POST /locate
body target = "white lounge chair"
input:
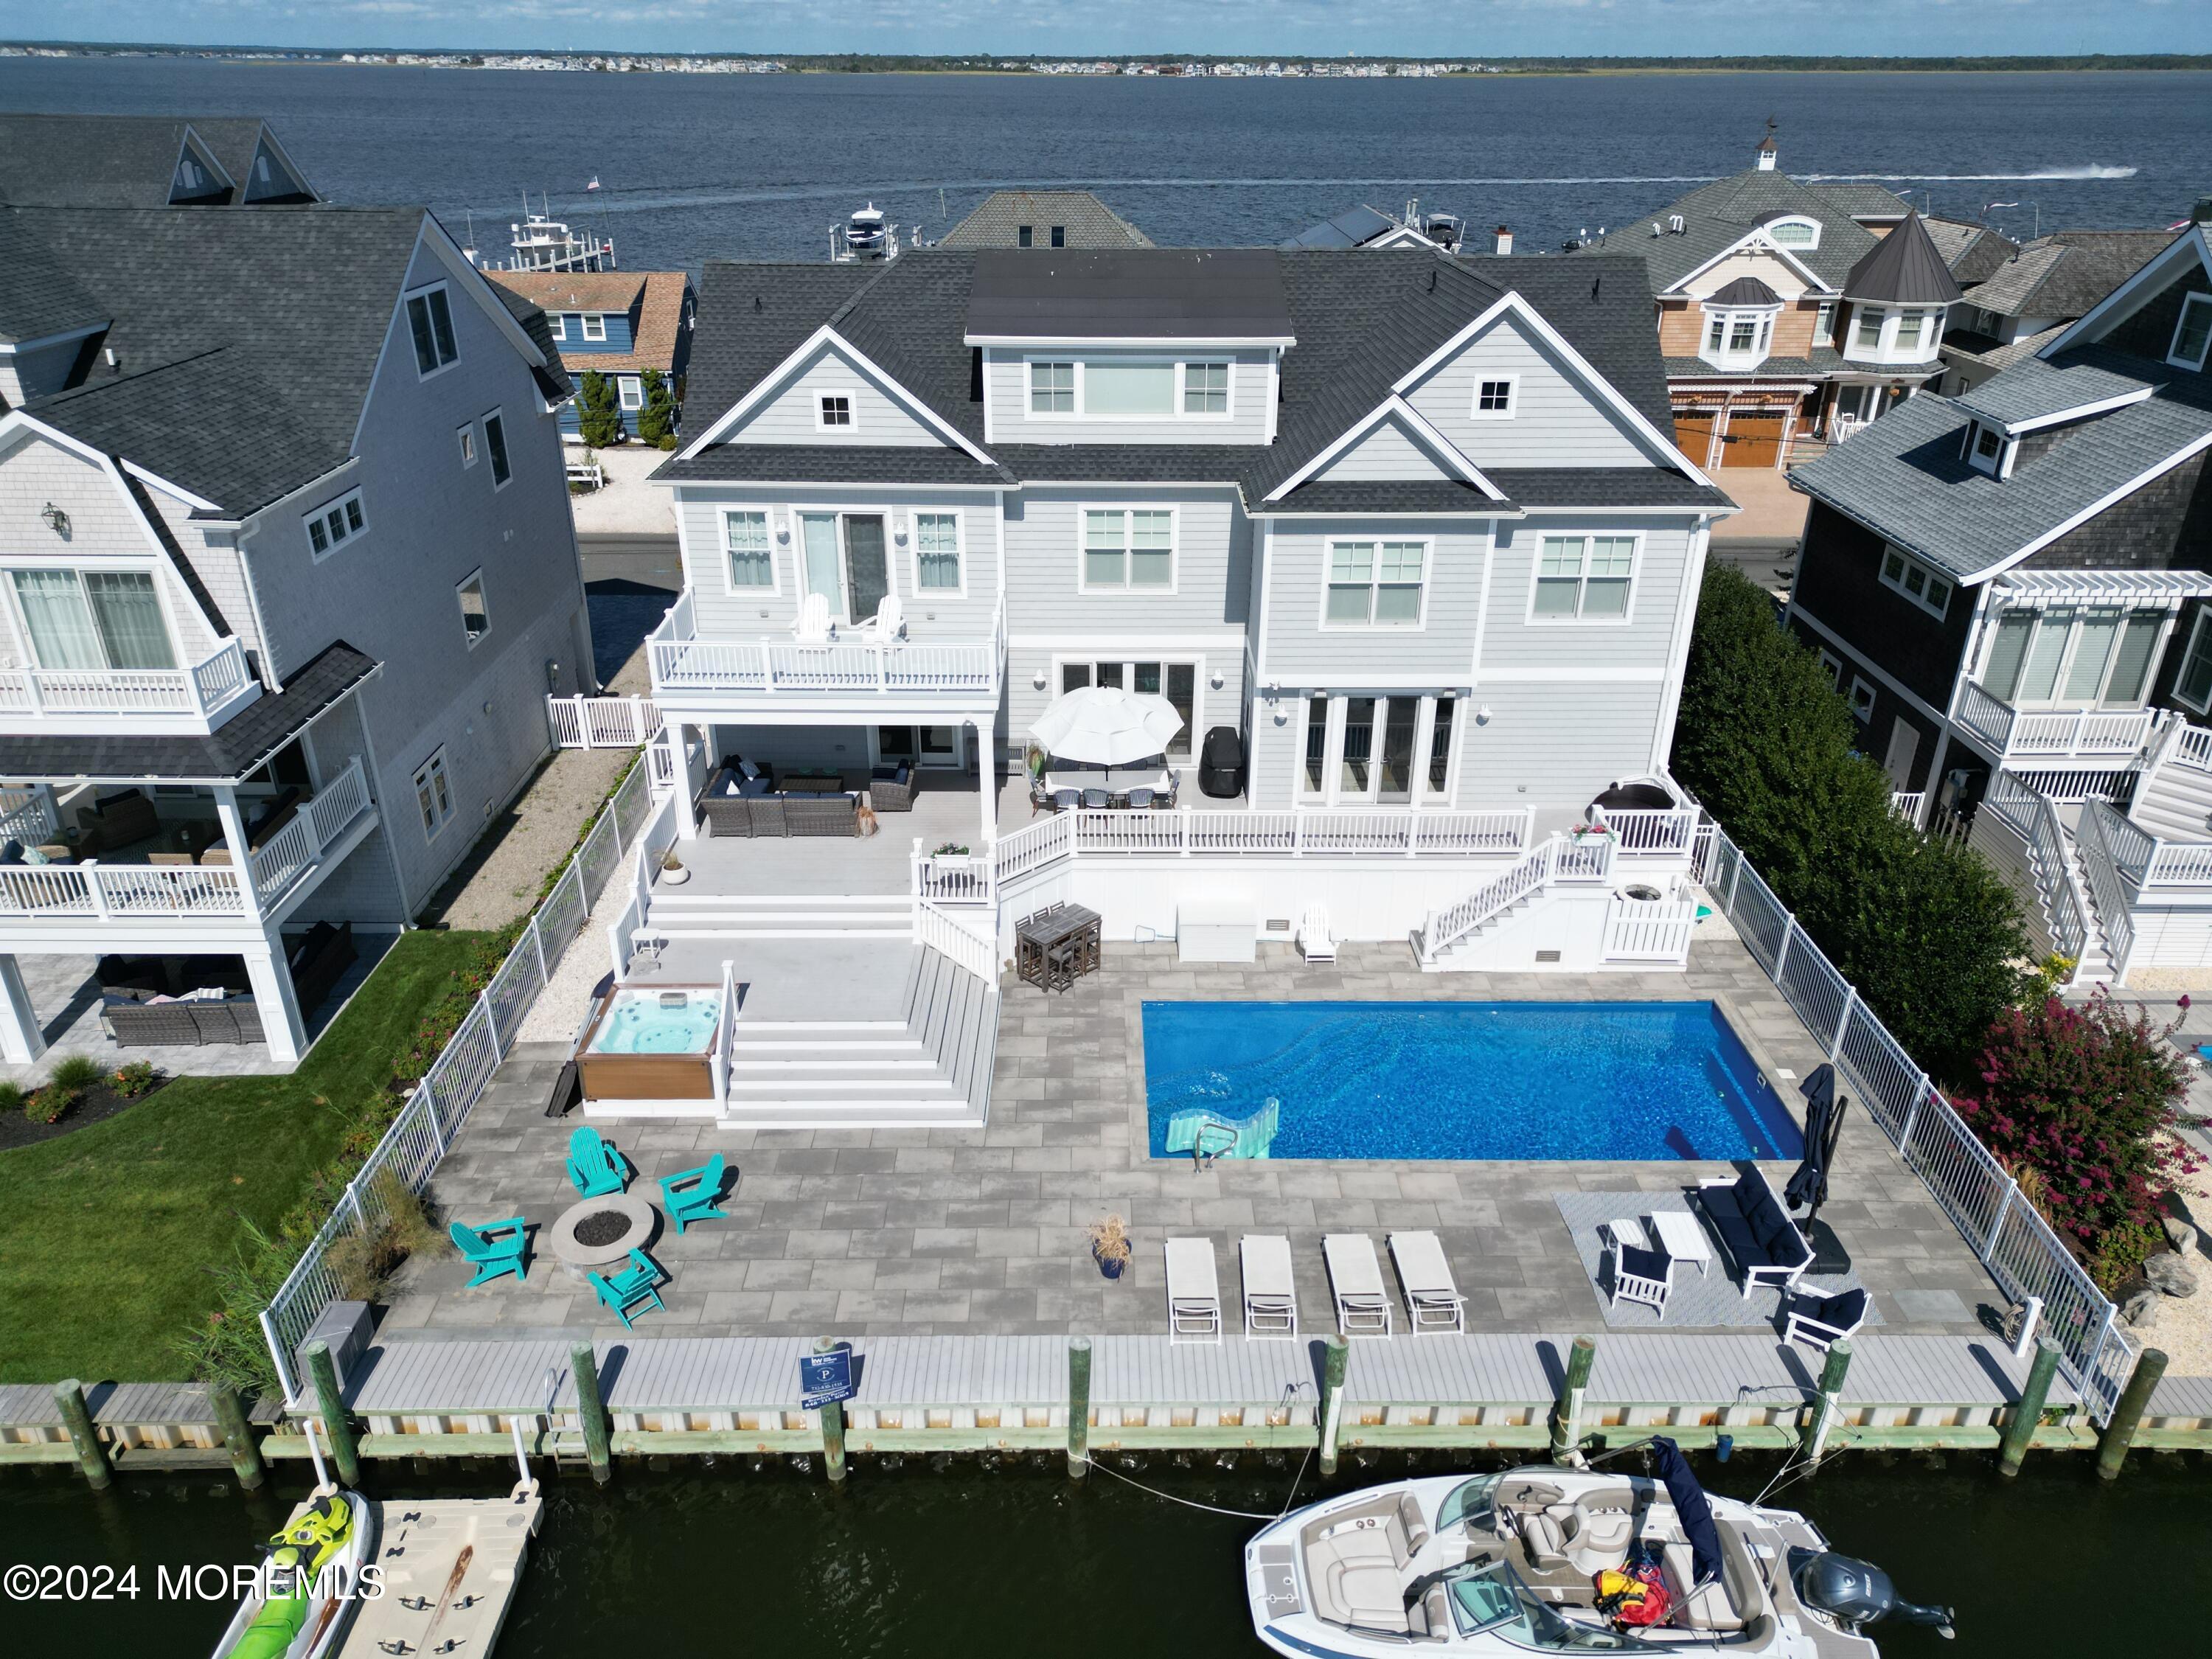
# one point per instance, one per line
(889, 622)
(1194, 1293)
(1433, 1301)
(1271, 1299)
(1314, 941)
(1355, 1278)
(813, 625)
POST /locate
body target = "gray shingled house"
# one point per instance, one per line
(2009, 586)
(286, 574)
(1044, 218)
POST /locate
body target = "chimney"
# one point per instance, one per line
(1766, 153)
(1501, 240)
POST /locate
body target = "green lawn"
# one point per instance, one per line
(109, 1237)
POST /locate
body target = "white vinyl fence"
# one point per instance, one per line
(2013, 1241)
(602, 722)
(419, 1137)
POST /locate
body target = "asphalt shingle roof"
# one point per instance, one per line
(37, 294)
(1971, 253)
(1716, 216)
(1128, 293)
(112, 160)
(2066, 274)
(1904, 477)
(656, 296)
(832, 463)
(2035, 389)
(235, 748)
(1088, 222)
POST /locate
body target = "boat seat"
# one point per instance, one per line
(1600, 1539)
(1546, 1534)
(1430, 1619)
(1709, 1607)
(1356, 1564)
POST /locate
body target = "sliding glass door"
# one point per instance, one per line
(1394, 751)
(94, 619)
(2073, 657)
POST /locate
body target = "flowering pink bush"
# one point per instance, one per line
(2084, 1096)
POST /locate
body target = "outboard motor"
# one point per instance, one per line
(1855, 1593)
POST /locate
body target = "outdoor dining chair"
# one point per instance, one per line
(496, 1248)
(1096, 798)
(1140, 800)
(635, 1289)
(690, 1195)
(1067, 800)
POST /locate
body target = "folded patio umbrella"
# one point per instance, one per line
(1105, 726)
(1824, 1124)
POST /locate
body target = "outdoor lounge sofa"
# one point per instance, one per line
(736, 806)
(1755, 1229)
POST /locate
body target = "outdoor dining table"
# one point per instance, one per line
(1055, 948)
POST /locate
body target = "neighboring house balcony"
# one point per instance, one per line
(194, 699)
(861, 673)
(2047, 737)
(167, 870)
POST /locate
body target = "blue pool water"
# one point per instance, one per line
(639, 1024)
(1469, 1079)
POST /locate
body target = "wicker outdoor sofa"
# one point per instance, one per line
(736, 806)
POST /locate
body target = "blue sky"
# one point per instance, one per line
(1468, 29)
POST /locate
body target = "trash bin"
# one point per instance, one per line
(1221, 764)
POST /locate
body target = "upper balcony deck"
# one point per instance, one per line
(2082, 735)
(192, 700)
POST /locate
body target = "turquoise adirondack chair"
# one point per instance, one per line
(637, 1286)
(595, 1166)
(497, 1248)
(690, 1195)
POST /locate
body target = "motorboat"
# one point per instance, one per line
(310, 1584)
(1561, 1559)
(865, 234)
(1446, 230)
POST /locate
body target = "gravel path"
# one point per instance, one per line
(628, 505)
(499, 881)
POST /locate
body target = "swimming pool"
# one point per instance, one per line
(1536, 1080)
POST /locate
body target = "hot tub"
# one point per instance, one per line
(651, 1042)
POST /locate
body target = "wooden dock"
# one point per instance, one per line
(144, 1425)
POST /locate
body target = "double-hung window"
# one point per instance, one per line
(752, 566)
(94, 619)
(2192, 333)
(334, 522)
(937, 552)
(433, 796)
(1375, 584)
(1128, 548)
(1867, 336)
(629, 390)
(1052, 388)
(1824, 323)
(430, 323)
(1910, 325)
(496, 447)
(558, 323)
(476, 620)
(595, 326)
(1930, 591)
(1583, 578)
(1206, 388)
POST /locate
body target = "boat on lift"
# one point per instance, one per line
(1561, 1559)
(865, 235)
(1446, 230)
(541, 242)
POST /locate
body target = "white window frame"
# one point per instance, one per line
(629, 393)
(1824, 323)
(591, 320)
(1126, 588)
(80, 569)
(1182, 409)
(1862, 701)
(1176, 413)
(1900, 581)
(488, 420)
(2078, 615)
(1420, 794)
(475, 579)
(2173, 350)
(471, 451)
(423, 296)
(1512, 385)
(1583, 579)
(959, 589)
(1728, 355)
(432, 781)
(2196, 637)
(1421, 623)
(1773, 225)
(1833, 666)
(1860, 317)
(822, 421)
(349, 506)
(774, 590)
(557, 322)
(1074, 410)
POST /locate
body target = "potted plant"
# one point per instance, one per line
(672, 873)
(1110, 1245)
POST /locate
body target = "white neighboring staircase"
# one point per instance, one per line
(2174, 799)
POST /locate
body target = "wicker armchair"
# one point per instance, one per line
(890, 788)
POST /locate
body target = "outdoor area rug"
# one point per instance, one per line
(1712, 1298)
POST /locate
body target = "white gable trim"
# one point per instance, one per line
(1513, 305)
(2080, 411)
(827, 334)
(268, 137)
(204, 151)
(1765, 243)
(1401, 236)
(2090, 511)
(1452, 456)
(2123, 301)
(17, 421)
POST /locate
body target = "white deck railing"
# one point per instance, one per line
(27, 816)
(2192, 747)
(2033, 817)
(940, 931)
(853, 664)
(299, 846)
(602, 722)
(2093, 843)
(203, 688)
(2007, 731)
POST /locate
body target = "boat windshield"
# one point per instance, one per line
(1489, 1598)
(1470, 1501)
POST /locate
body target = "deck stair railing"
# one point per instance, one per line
(2033, 816)
(1587, 858)
(2006, 1234)
(417, 1140)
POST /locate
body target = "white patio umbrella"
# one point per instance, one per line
(1105, 726)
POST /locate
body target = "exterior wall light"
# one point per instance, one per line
(56, 520)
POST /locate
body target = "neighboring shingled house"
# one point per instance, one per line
(617, 323)
(146, 161)
(1044, 218)
(2018, 305)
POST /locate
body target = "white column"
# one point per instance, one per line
(987, 780)
(233, 838)
(22, 1040)
(282, 1028)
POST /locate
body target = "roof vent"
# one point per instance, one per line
(1657, 230)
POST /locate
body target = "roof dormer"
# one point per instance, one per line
(2018, 415)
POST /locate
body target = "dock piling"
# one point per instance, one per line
(337, 1427)
(833, 1424)
(237, 1435)
(1336, 1357)
(1567, 1409)
(1833, 1369)
(1078, 1406)
(76, 1418)
(592, 1412)
(2020, 1432)
(2127, 1416)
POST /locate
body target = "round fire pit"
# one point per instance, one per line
(599, 1232)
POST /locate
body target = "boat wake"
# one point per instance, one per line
(2092, 170)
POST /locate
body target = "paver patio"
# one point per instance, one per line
(980, 1232)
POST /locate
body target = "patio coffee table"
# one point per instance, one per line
(1684, 1237)
(628, 1222)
